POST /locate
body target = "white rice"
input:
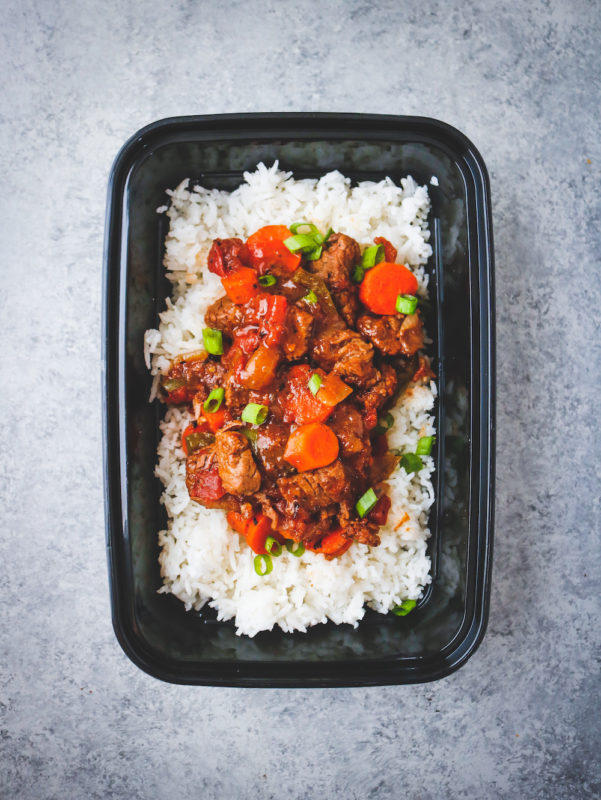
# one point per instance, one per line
(202, 559)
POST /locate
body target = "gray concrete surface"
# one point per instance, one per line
(521, 719)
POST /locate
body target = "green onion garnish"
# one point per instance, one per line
(310, 244)
(327, 235)
(405, 607)
(171, 384)
(295, 551)
(214, 400)
(267, 280)
(411, 463)
(406, 304)
(358, 274)
(250, 434)
(372, 256)
(310, 297)
(213, 341)
(424, 446)
(255, 413)
(314, 383)
(384, 423)
(273, 546)
(366, 502)
(312, 228)
(313, 255)
(302, 241)
(263, 565)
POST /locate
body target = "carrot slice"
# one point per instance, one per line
(382, 285)
(254, 529)
(241, 285)
(332, 545)
(311, 446)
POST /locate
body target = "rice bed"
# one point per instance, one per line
(202, 560)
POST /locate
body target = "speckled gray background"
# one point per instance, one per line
(521, 719)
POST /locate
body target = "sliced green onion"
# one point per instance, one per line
(295, 551)
(327, 234)
(314, 254)
(171, 384)
(263, 564)
(406, 304)
(302, 241)
(213, 341)
(411, 463)
(314, 383)
(255, 413)
(273, 546)
(424, 446)
(194, 441)
(267, 280)
(214, 400)
(372, 256)
(250, 434)
(405, 607)
(310, 297)
(358, 274)
(366, 502)
(312, 228)
(384, 423)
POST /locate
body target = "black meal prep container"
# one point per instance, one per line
(444, 630)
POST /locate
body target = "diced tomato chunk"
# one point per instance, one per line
(241, 285)
(390, 251)
(207, 485)
(268, 311)
(379, 513)
(227, 255)
(267, 249)
(300, 405)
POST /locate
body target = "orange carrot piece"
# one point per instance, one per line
(254, 529)
(311, 446)
(334, 545)
(382, 285)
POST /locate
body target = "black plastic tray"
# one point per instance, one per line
(439, 636)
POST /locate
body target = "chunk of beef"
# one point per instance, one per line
(383, 332)
(355, 446)
(340, 255)
(374, 396)
(411, 334)
(347, 354)
(237, 469)
(316, 489)
(297, 333)
(191, 376)
(363, 531)
(393, 335)
(270, 445)
(223, 315)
